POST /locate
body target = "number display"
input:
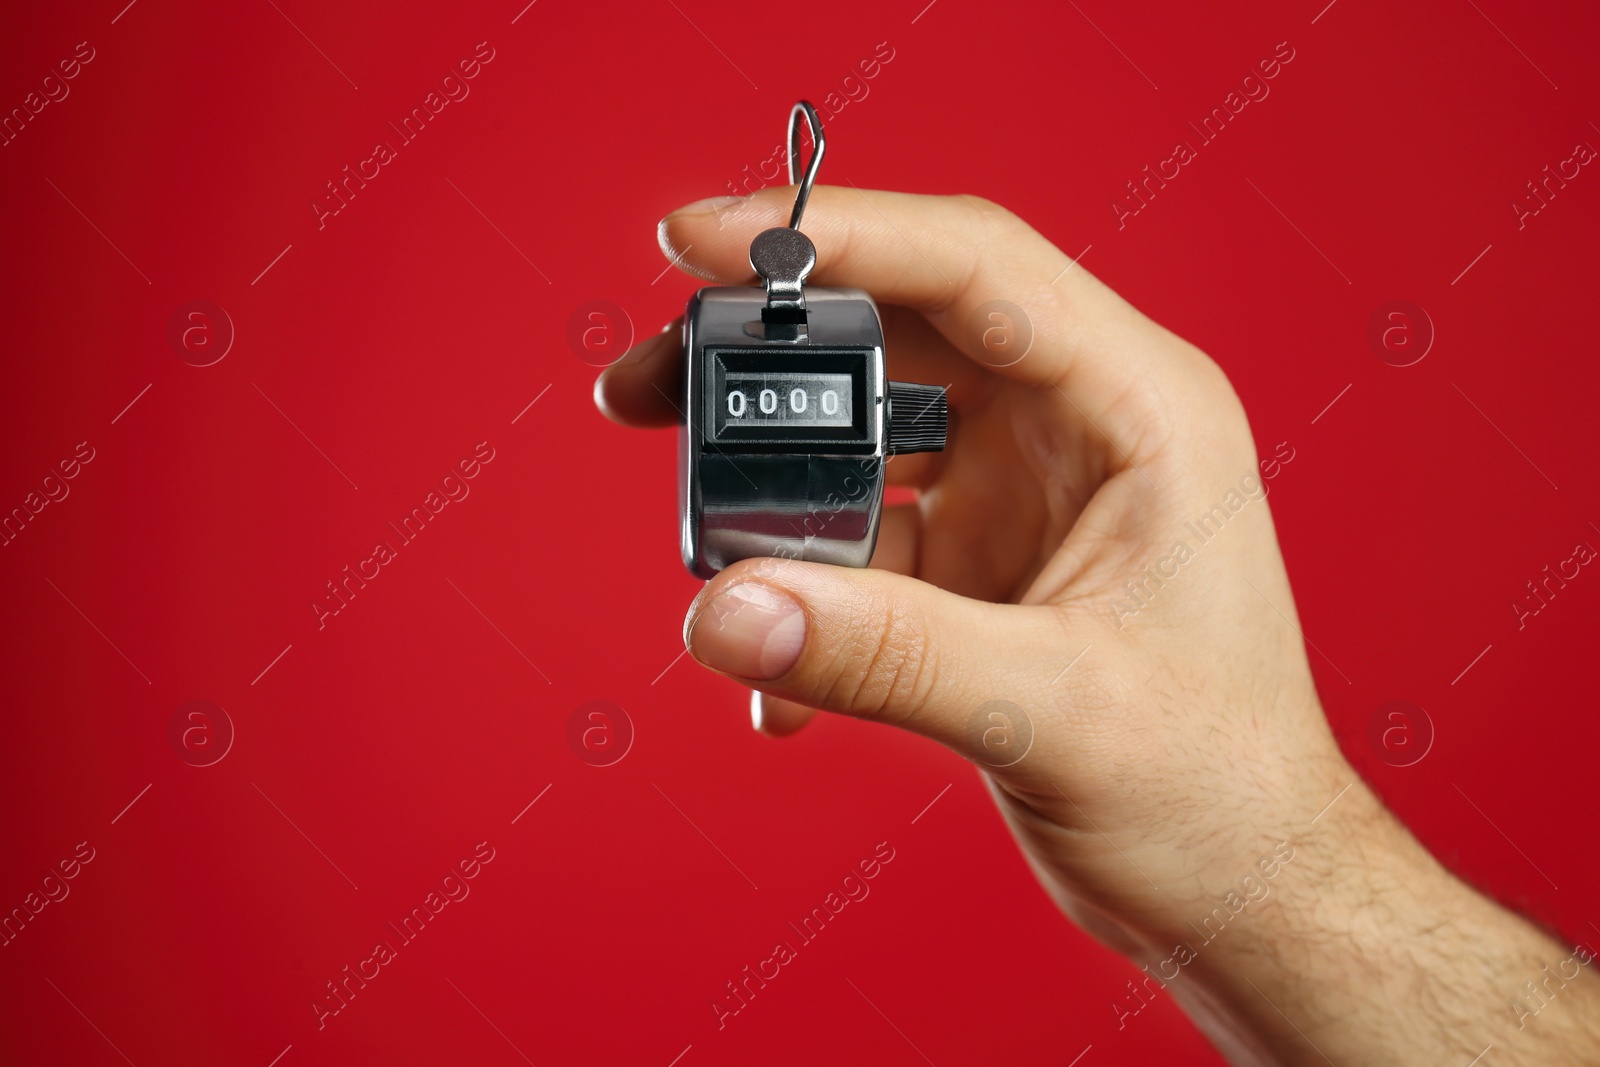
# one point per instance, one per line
(755, 398)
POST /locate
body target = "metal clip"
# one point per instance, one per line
(783, 256)
(819, 145)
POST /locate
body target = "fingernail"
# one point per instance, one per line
(750, 630)
(707, 206)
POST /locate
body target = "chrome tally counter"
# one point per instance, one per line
(789, 416)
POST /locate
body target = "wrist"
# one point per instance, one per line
(1315, 865)
(1367, 950)
(1341, 908)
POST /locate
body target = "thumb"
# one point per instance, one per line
(882, 646)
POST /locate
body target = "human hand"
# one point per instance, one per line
(1070, 471)
(1088, 601)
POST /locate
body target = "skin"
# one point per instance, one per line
(1182, 798)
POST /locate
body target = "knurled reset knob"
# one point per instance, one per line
(919, 417)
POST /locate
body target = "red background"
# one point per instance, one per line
(425, 316)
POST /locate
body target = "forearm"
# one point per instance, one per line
(1369, 952)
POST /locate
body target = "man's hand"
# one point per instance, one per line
(1087, 600)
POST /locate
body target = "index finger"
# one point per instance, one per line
(970, 266)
